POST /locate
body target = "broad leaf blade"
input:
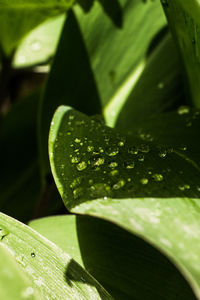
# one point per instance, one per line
(17, 18)
(125, 261)
(162, 82)
(52, 272)
(139, 185)
(12, 275)
(183, 18)
(40, 44)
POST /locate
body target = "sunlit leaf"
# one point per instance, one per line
(124, 260)
(148, 184)
(52, 272)
(18, 17)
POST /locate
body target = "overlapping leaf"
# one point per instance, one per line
(125, 262)
(183, 18)
(17, 18)
(52, 272)
(148, 183)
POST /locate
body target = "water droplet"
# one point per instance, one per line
(81, 166)
(100, 161)
(121, 144)
(3, 232)
(75, 160)
(71, 117)
(36, 46)
(184, 187)
(33, 254)
(157, 177)
(119, 184)
(91, 181)
(129, 164)
(78, 193)
(160, 85)
(183, 147)
(77, 140)
(183, 110)
(114, 173)
(100, 190)
(76, 182)
(140, 157)
(144, 180)
(144, 148)
(112, 151)
(113, 164)
(162, 153)
(133, 150)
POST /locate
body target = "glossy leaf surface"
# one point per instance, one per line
(17, 18)
(148, 185)
(52, 271)
(124, 260)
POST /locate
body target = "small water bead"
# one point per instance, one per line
(144, 181)
(113, 164)
(114, 173)
(78, 193)
(36, 46)
(75, 160)
(141, 157)
(183, 110)
(112, 151)
(90, 148)
(121, 183)
(144, 148)
(81, 166)
(100, 161)
(33, 254)
(101, 150)
(162, 154)
(133, 150)
(183, 147)
(160, 85)
(157, 177)
(3, 232)
(76, 182)
(90, 181)
(146, 137)
(100, 190)
(77, 140)
(129, 164)
(184, 187)
(121, 144)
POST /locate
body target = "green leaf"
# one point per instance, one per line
(162, 82)
(12, 275)
(40, 44)
(118, 55)
(20, 178)
(124, 260)
(17, 18)
(61, 230)
(148, 187)
(183, 18)
(52, 272)
(70, 63)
